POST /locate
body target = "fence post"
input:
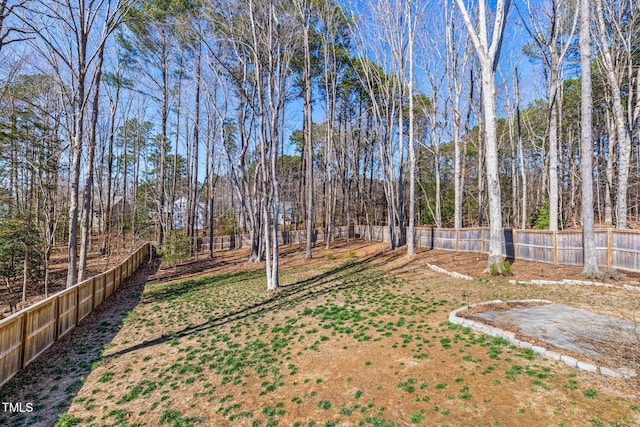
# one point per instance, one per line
(609, 247)
(25, 319)
(25, 322)
(457, 231)
(77, 305)
(57, 324)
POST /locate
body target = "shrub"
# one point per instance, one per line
(608, 273)
(175, 249)
(330, 256)
(494, 269)
(351, 254)
(503, 268)
(506, 268)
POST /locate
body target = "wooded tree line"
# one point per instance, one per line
(172, 120)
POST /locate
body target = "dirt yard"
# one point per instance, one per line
(358, 335)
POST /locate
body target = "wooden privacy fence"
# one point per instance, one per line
(618, 249)
(26, 334)
(296, 237)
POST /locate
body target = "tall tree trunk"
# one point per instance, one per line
(76, 154)
(553, 149)
(88, 189)
(514, 176)
(521, 163)
(107, 217)
(196, 142)
(307, 129)
(412, 150)
(491, 156)
(608, 191)
(590, 266)
(162, 208)
(174, 172)
(488, 55)
(27, 235)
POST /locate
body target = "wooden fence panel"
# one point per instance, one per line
(445, 239)
(85, 298)
(40, 328)
(534, 246)
(625, 252)
(485, 242)
(67, 310)
(25, 335)
(98, 290)
(426, 238)
(614, 248)
(569, 248)
(470, 240)
(109, 287)
(117, 279)
(602, 248)
(11, 337)
(375, 234)
(385, 235)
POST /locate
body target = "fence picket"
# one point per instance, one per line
(27, 334)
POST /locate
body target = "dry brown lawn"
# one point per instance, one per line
(356, 336)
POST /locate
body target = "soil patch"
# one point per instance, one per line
(589, 335)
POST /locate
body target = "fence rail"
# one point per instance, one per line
(28, 333)
(617, 249)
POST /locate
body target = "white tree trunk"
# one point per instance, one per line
(488, 55)
(412, 150)
(491, 156)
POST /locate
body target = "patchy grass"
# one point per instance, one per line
(353, 340)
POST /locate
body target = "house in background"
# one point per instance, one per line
(120, 208)
(285, 213)
(181, 212)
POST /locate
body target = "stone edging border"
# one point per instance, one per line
(539, 281)
(575, 282)
(449, 273)
(555, 356)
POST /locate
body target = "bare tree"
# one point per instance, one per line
(303, 8)
(10, 33)
(617, 31)
(73, 60)
(414, 12)
(552, 34)
(382, 39)
(87, 206)
(488, 52)
(456, 63)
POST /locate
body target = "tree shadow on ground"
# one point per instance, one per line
(52, 381)
(286, 296)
